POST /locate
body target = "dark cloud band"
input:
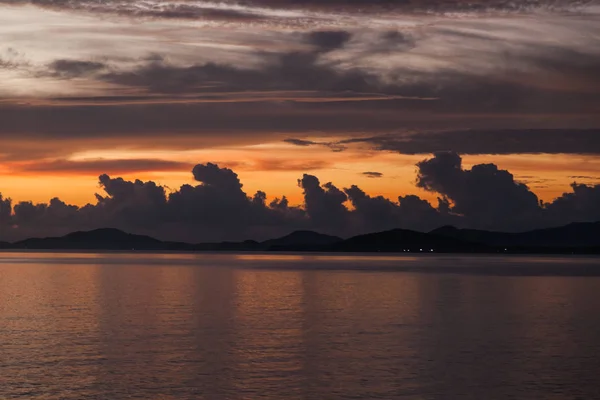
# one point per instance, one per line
(217, 208)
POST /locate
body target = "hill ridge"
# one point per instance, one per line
(574, 237)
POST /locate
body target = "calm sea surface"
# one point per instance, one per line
(174, 326)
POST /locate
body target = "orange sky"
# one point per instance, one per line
(275, 168)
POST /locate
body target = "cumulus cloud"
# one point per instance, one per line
(324, 204)
(486, 195)
(581, 205)
(409, 212)
(217, 208)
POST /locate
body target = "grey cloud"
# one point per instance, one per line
(300, 142)
(446, 92)
(428, 5)
(371, 174)
(34, 132)
(11, 59)
(75, 68)
(503, 141)
(333, 146)
(149, 9)
(285, 71)
(328, 40)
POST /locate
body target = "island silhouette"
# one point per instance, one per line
(577, 238)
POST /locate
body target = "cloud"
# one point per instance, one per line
(370, 174)
(488, 141)
(196, 10)
(11, 59)
(300, 142)
(296, 70)
(436, 74)
(5, 211)
(328, 40)
(582, 204)
(333, 146)
(485, 195)
(585, 177)
(378, 213)
(217, 208)
(95, 166)
(75, 68)
(324, 204)
(289, 165)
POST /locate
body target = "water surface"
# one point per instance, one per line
(277, 326)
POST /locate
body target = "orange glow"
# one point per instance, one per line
(276, 167)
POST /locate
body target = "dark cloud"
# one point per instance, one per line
(75, 68)
(422, 6)
(585, 177)
(371, 174)
(217, 208)
(583, 204)
(393, 42)
(324, 204)
(485, 195)
(248, 10)
(300, 142)
(378, 213)
(328, 40)
(284, 71)
(503, 141)
(5, 211)
(333, 146)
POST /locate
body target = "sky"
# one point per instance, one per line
(199, 120)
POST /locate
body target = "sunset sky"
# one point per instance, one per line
(353, 92)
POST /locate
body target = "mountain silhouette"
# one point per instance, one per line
(101, 239)
(577, 234)
(572, 238)
(299, 240)
(404, 240)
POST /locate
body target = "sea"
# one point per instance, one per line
(298, 326)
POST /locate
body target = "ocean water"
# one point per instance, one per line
(280, 326)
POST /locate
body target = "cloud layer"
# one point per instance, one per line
(83, 79)
(217, 208)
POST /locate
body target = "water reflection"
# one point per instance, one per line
(167, 329)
